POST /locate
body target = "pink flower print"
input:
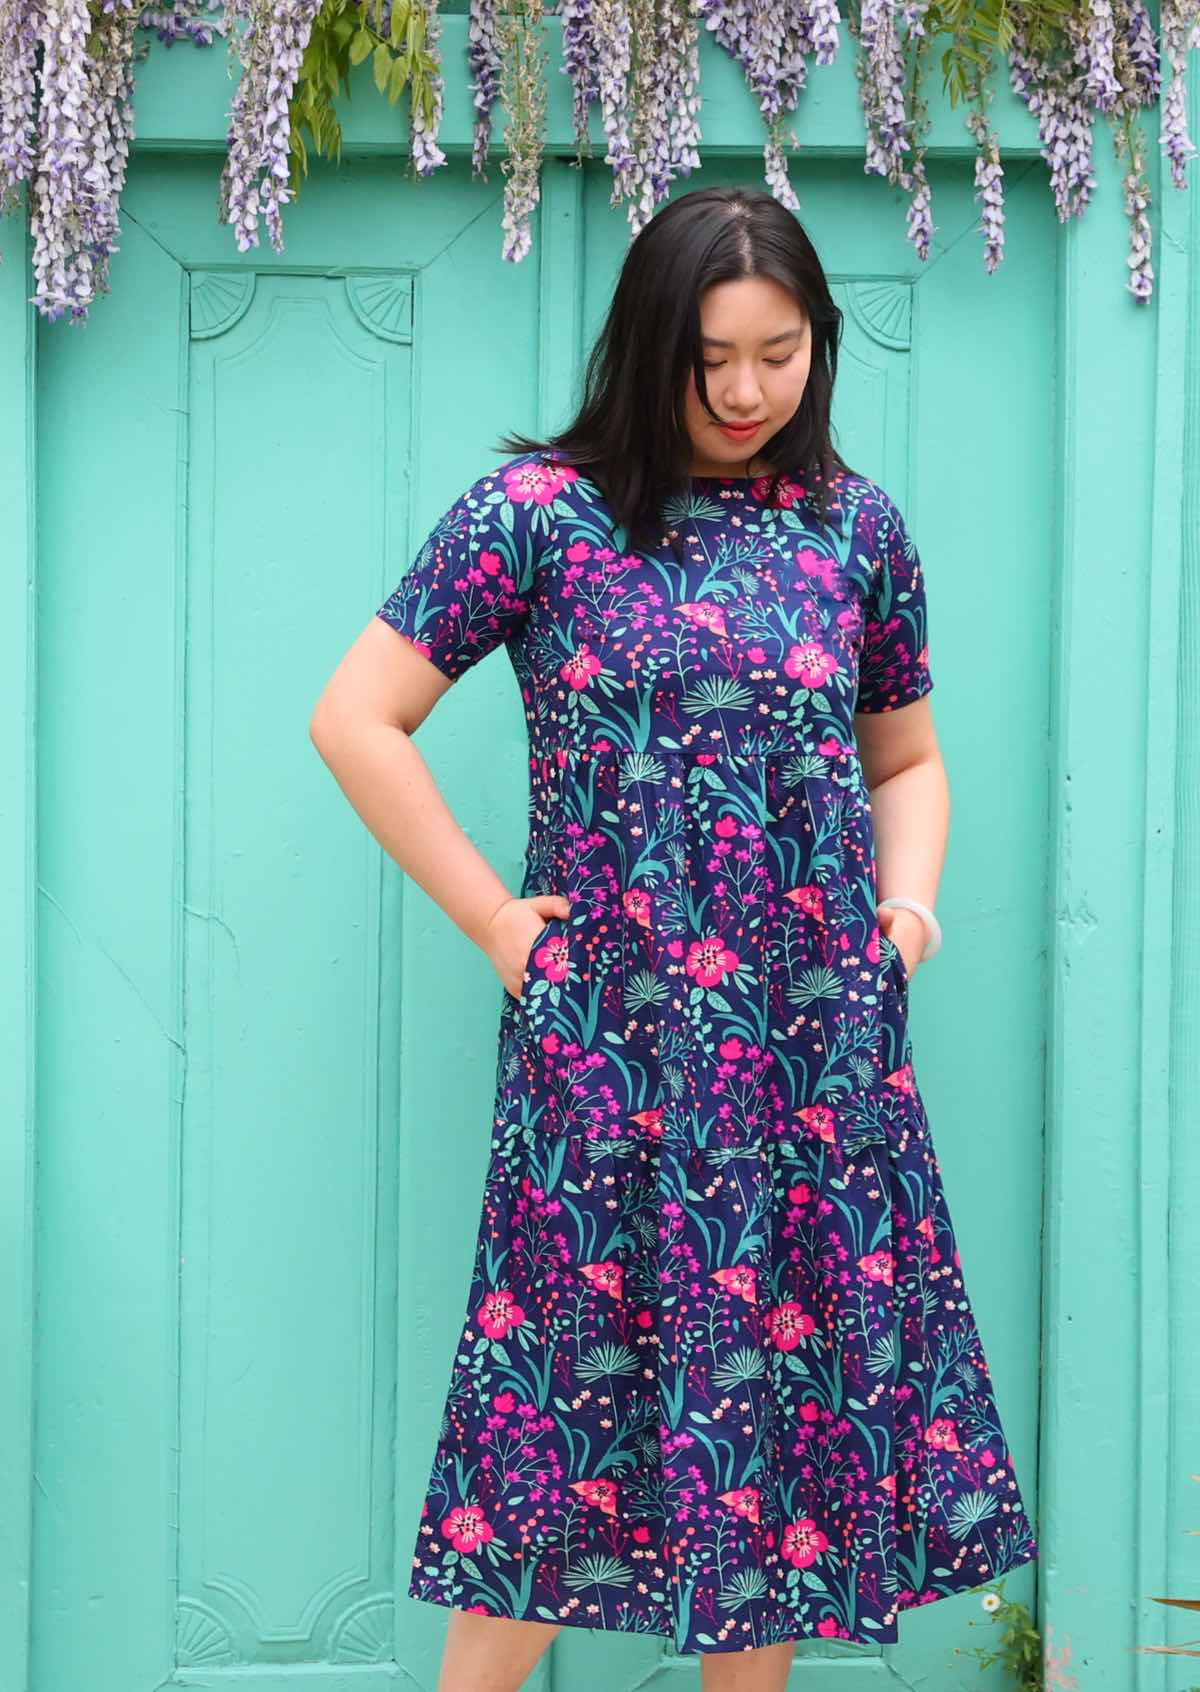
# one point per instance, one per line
(942, 1435)
(710, 960)
(740, 1280)
(540, 482)
(801, 1193)
(705, 614)
(827, 1627)
(602, 1493)
(732, 1049)
(877, 1266)
(888, 1485)
(553, 957)
(466, 1529)
(498, 1313)
(743, 1501)
(819, 1119)
(635, 902)
(651, 1120)
(788, 1324)
(491, 563)
(802, 1542)
(815, 564)
(581, 666)
(607, 1276)
(790, 492)
(810, 898)
(757, 654)
(504, 1403)
(579, 552)
(811, 663)
(641, 1535)
(872, 947)
(924, 1227)
(902, 1079)
(726, 827)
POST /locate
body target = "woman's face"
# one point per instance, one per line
(757, 348)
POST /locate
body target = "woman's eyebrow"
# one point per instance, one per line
(785, 335)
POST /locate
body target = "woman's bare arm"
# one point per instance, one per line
(362, 726)
(910, 802)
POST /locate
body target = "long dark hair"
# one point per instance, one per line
(628, 435)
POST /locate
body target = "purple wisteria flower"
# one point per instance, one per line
(1140, 49)
(1137, 197)
(1054, 90)
(612, 34)
(483, 58)
(85, 124)
(771, 40)
(1098, 45)
(664, 107)
(18, 101)
(425, 104)
(66, 117)
(198, 23)
(1180, 20)
(880, 70)
(989, 189)
(581, 62)
(257, 171)
(523, 88)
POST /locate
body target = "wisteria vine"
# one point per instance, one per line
(67, 73)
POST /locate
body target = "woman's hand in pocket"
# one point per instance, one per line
(512, 931)
(906, 931)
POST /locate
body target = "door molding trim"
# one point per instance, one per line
(18, 931)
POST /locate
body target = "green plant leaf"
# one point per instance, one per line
(399, 79)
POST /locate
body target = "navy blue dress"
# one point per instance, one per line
(718, 1376)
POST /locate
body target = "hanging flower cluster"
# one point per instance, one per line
(66, 122)
(66, 118)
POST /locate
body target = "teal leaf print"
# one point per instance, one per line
(717, 693)
(969, 1511)
(598, 1571)
(605, 1361)
(818, 983)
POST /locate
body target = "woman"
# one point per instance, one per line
(718, 1378)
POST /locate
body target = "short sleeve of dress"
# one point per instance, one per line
(468, 588)
(894, 664)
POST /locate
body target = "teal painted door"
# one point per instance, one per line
(265, 1061)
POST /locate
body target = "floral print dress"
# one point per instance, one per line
(718, 1376)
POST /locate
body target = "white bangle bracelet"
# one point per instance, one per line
(933, 928)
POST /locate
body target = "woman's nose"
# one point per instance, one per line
(743, 394)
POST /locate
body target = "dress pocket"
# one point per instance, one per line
(530, 972)
(901, 970)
